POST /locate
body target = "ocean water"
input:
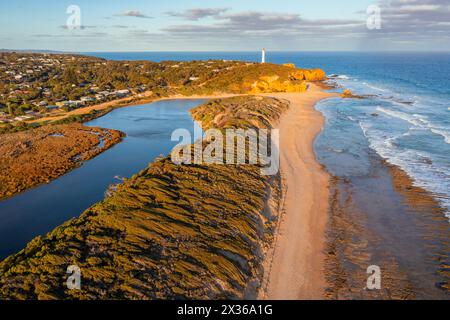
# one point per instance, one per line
(405, 118)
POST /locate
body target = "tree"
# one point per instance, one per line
(70, 76)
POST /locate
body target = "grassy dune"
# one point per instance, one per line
(170, 231)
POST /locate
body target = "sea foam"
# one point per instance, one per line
(426, 115)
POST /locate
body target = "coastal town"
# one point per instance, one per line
(36, 85)
(39, 85)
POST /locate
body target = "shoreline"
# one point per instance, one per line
(101, 108)
(294, 265)
(108, 137)
(383, 219)
(128, 102)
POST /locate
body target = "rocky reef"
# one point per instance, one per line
(347, 94)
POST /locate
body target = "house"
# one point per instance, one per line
(70, 104)
(61, 104)
(22, 118)
(30, 113)
(100, 97)
(141, 88)
(87, 99)
(105, 93)
(122, 93)
(76, 103)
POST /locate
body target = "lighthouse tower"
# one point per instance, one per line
(263, 56)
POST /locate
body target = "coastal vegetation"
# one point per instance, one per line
(36, 156)
(34, 86)
(256, 78)
(170, 231)
(239, 112)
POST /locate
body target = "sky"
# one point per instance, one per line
(231, 25)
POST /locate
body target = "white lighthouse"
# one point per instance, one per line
(263, 56)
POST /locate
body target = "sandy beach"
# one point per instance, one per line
(294, 266)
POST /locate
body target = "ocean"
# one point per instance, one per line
(405, 117)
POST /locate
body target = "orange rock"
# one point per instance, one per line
(296, 87)
(314, 75)
(262, 86)
(347, 93)
(289, 65)
(308, 74)
(269, 79)
(298, 75)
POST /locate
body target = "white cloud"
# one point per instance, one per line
(133, 13)
(198, 13)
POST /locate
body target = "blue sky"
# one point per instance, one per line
(187, 25)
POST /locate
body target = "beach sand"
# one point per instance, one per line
(294, 266)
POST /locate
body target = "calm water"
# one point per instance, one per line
(39, 210)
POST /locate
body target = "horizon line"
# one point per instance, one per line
(224, 51)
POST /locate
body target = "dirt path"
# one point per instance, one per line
(294, 268)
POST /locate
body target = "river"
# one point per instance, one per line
(148, 130)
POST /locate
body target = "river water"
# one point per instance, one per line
(148, 130)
